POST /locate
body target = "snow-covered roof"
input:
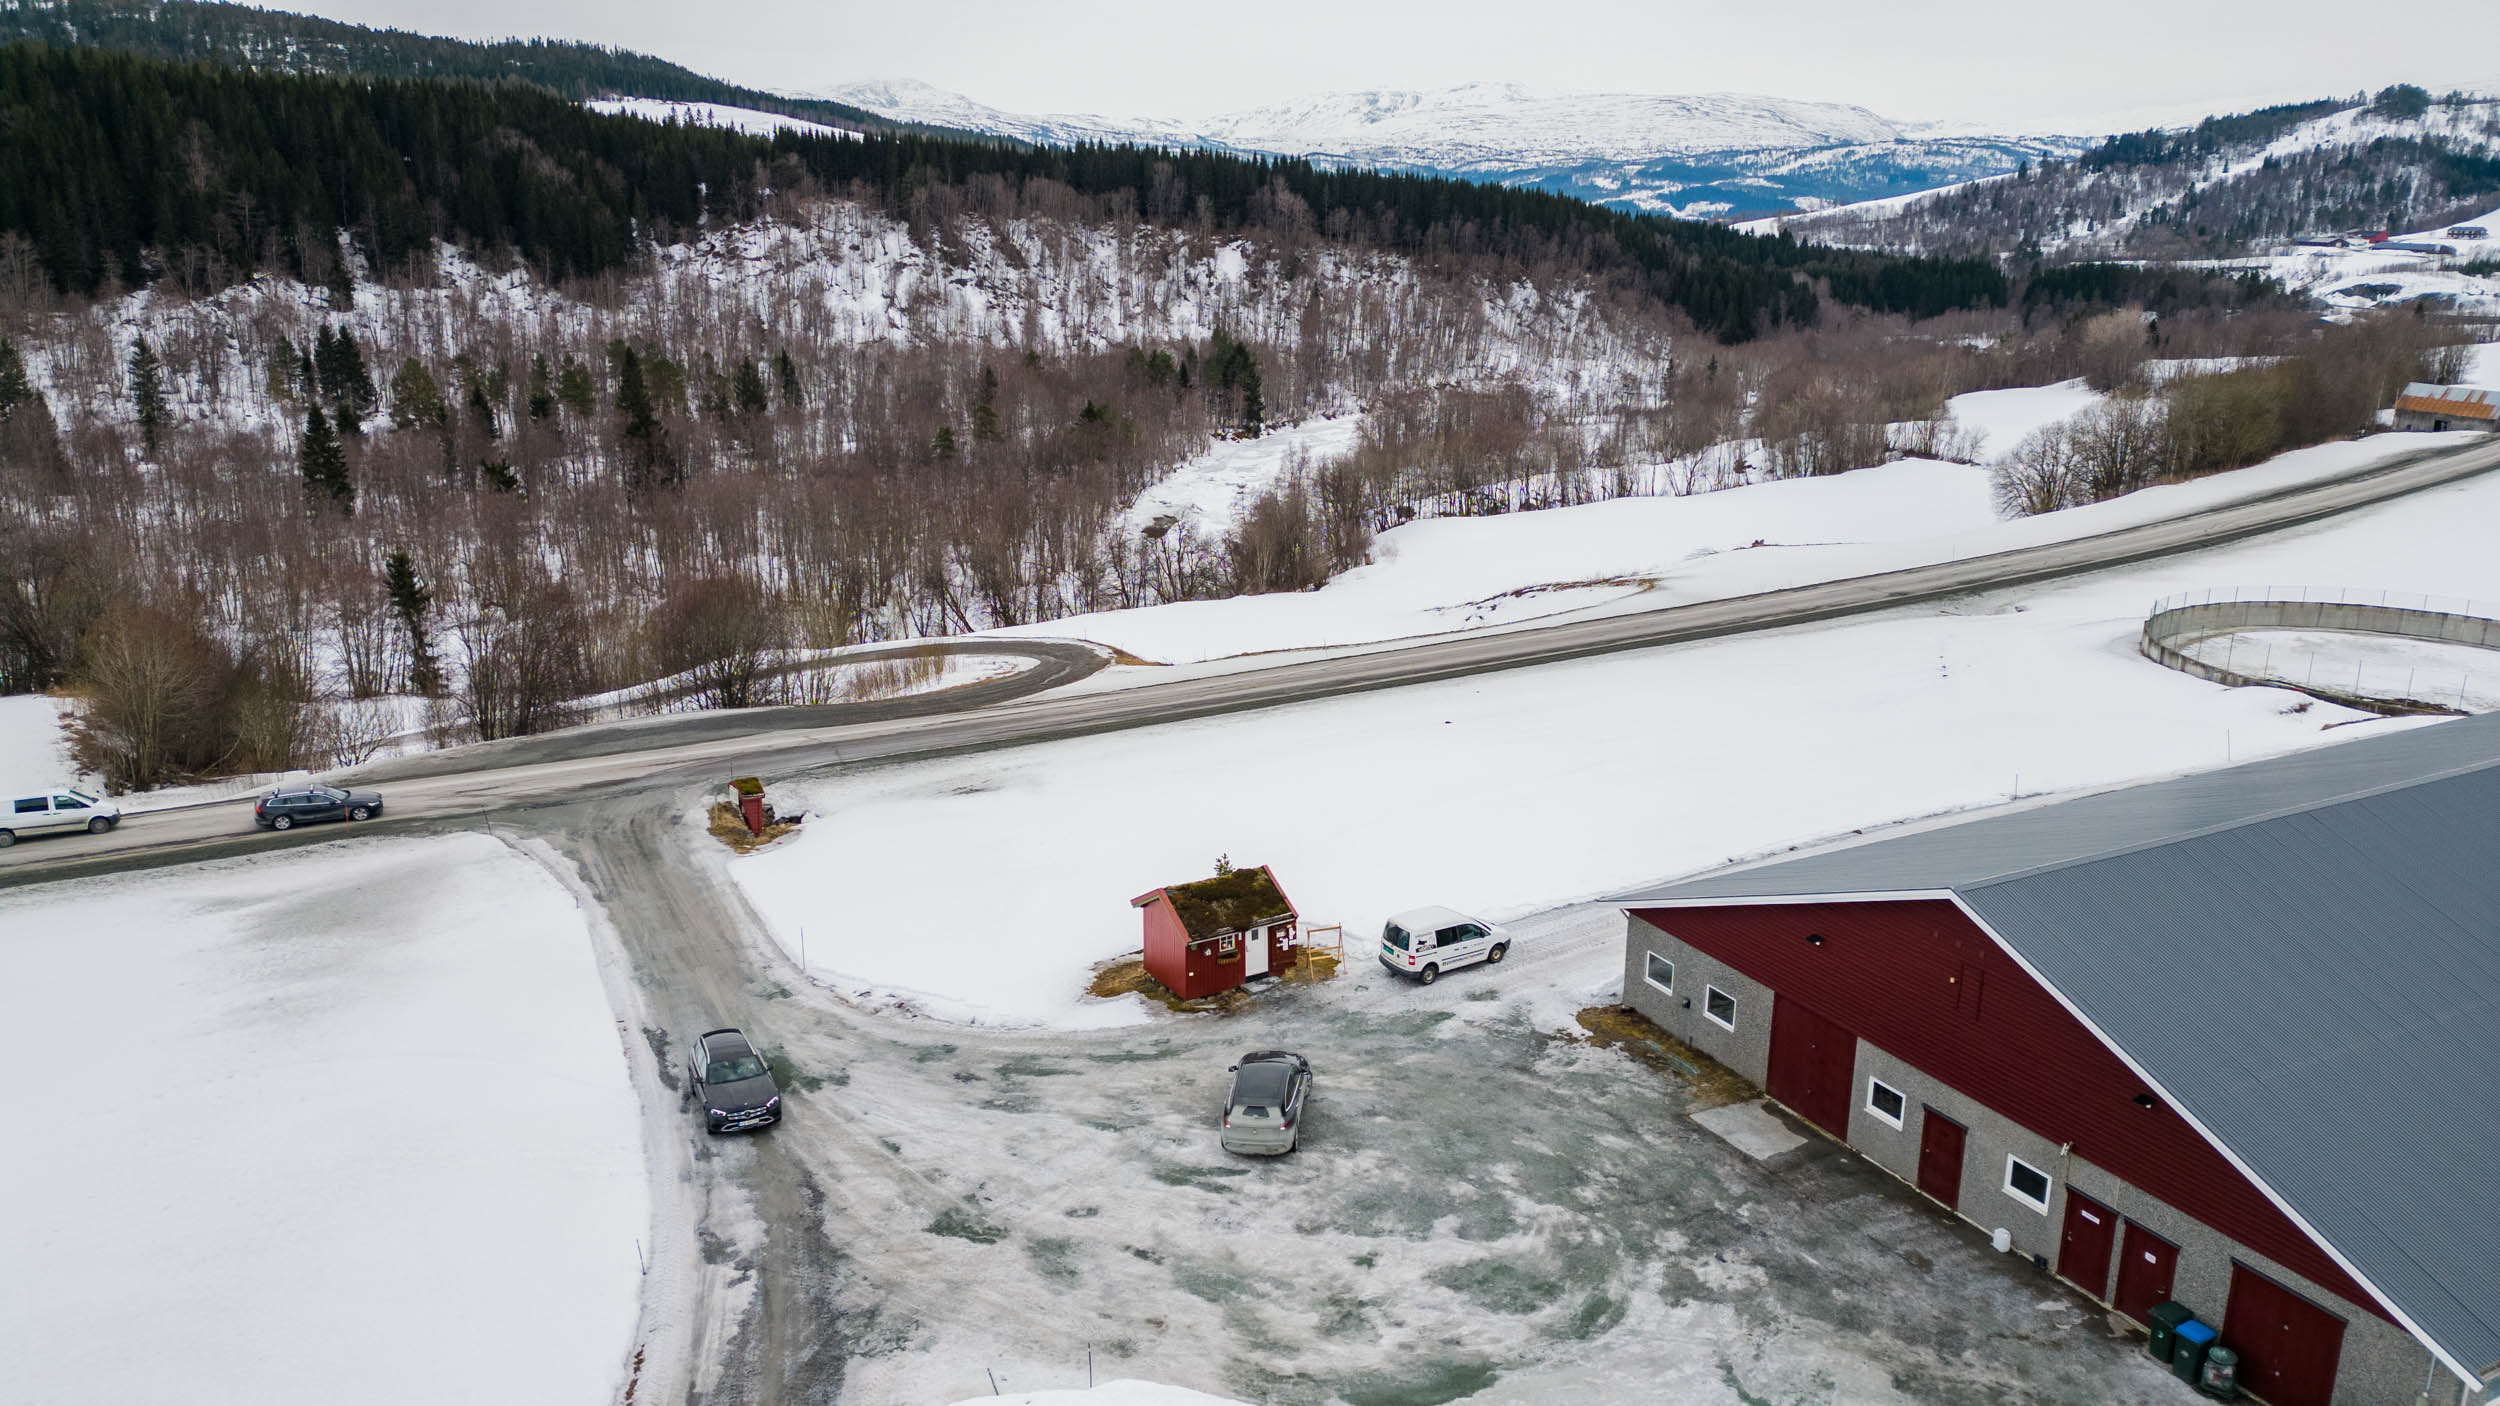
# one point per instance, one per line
(1430, 919)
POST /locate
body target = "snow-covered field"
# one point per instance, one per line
(348, 1124)
(1510, 792)
(1204, 498)
(32, 751)
(2368, 666)
(1445, 574)
(737, 119)
(1996, 421)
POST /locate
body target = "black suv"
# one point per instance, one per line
(728, 1079)
(284, 810)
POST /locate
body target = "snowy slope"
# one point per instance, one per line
(1585, 776)
(739, 119)
(1441, 575)
(33, 752)
(1696, 154)
(342, 1124)
(2092, 213)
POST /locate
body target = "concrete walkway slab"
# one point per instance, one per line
(1750, 1129)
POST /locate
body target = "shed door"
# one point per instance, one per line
(2083, 1250)
(1254, 953)
(2288, 1346)
(1813, 1066)
(2144, 1270)
(1940, 1157)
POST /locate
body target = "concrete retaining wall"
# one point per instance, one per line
(2168, 632)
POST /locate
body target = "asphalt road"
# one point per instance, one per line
(945, 1201)
(673, 752)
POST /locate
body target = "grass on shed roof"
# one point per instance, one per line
(1228, 902)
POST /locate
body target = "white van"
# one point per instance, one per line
(54, 812)
(1425, 942)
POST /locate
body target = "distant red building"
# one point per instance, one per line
(1215, 934)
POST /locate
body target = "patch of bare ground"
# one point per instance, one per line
(1623, 1028)
(730, 828)
(1125, 976)
(1122, 656)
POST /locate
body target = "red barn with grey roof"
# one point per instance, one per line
(2226, 1041)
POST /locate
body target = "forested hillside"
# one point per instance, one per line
(320, 389)
(243, 36)
(2229, 186)
(123, 170)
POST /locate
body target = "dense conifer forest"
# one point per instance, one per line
(121, 169)
(196, 31)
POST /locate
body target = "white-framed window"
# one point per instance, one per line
(2026, 1183)
(1659, 972)
(1719, 1006)
(1885, 1102)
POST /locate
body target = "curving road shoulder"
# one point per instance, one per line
(461, 784)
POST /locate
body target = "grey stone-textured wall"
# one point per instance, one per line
(1747, 1048)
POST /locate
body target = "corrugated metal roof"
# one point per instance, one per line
(2303, 952)
(2474, 402)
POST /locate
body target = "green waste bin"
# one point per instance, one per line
(2187, 1353)
(2165, 1319)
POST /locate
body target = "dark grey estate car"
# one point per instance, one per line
(1263, 1111)
(284, 810)
(728, 1080)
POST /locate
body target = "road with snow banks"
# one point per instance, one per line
(664, 754)
(1481, 1202)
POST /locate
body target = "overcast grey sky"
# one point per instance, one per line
(2003, 62)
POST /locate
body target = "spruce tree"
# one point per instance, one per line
(282, 367)
(788, 373)
(416, 401)
(1253, 399)
(27, 434)
(985, 409)
(410, 601)
(324, 464)
(576, 391)
(482, 409)
(542, 397)
(750, 389)
(339, 366)
(358, 393)
(147, 393)
(647, 459)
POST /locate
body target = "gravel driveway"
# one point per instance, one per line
(1482, 1209)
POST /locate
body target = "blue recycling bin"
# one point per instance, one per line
(2187, 1354)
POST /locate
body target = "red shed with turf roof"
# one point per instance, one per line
(1215, 934)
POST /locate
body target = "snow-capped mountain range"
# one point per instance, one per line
(1697, 155)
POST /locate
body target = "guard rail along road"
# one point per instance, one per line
(465, 785)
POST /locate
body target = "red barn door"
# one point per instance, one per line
(1813, 1066)
(2144, 1271)
(2288, 1346)
(1940, 1142)
(2083, 1250)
